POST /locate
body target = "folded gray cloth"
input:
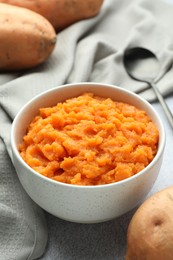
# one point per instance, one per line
(23, 228)
(90, 50)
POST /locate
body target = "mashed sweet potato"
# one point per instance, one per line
(89, 140)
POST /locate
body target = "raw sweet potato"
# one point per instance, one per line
(150, 232)
(26, 38)
(61, 13)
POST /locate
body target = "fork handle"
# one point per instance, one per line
(163, 104)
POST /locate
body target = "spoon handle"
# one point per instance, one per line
(163, 104)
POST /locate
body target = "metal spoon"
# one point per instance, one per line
(142, 65)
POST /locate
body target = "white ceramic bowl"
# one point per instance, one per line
(84, 204)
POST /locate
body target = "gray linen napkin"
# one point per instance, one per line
(89, 50)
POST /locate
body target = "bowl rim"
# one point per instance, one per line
(75, 186)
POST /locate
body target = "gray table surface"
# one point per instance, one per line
(104, 241)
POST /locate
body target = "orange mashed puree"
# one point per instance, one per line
(89, 140)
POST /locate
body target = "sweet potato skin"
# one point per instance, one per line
(26, 38)
(61, 13)
(150, 232)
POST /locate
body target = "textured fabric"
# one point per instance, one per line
(23, 233)
(89, 50)
(23, 228)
